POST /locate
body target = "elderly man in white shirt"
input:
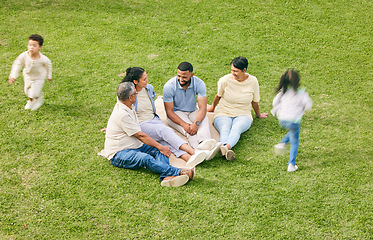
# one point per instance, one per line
(127, 147)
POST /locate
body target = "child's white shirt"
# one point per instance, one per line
(38, 69)
(291, 105)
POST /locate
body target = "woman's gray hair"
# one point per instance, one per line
(124, 90)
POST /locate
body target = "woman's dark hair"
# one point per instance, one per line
(289, 78)
(132, 74)
(240, 63)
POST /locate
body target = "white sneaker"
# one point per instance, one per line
(207, 144)
(175, 181)
(29, 104)
(38, 103)
(280, 148)
(212, 153)
(196, 159)
(292, 168)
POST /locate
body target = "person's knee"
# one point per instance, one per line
(165, 131)
(240, 128)
(141, 162)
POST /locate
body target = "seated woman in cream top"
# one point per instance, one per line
(238, 92)
(152, 125)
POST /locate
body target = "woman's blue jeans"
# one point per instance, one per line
(291, 137)
(231, 128)
(145, 157)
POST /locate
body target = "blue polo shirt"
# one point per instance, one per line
(185, 101)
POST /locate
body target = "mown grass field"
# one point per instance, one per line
(54, 186)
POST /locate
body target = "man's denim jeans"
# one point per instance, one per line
(145, 157)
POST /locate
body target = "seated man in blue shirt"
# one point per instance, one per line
(179, 96)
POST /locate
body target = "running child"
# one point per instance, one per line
(36, 68)
(289, 106)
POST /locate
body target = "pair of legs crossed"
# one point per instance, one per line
(203, 132)
(166, 136)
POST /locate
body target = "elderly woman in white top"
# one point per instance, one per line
(238, 92)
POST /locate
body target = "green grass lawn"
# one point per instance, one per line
(54, 186)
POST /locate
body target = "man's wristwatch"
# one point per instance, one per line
(197, 123)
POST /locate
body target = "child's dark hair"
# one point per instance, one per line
(38, 38)
(289, 78)
(132, 74)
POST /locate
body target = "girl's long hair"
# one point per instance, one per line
(289, 78)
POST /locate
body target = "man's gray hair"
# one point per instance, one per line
(124, 90)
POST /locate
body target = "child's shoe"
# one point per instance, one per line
(29, 104)
(280, 148)
(38, 103)
(292, 168)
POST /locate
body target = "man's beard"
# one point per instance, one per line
(186, 83)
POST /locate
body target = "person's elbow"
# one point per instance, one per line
(140, 135)
(168, 109)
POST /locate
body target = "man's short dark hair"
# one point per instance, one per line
(38, 38)
(240, 63)
(185, 66)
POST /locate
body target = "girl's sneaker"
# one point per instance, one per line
(292, 168)
(280, 148)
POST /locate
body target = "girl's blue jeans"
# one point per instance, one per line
(291, 137)
(231, 128)
(145, 157)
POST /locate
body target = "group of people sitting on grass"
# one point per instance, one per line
(136, 137)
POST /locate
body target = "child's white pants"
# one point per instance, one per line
(33, 87)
